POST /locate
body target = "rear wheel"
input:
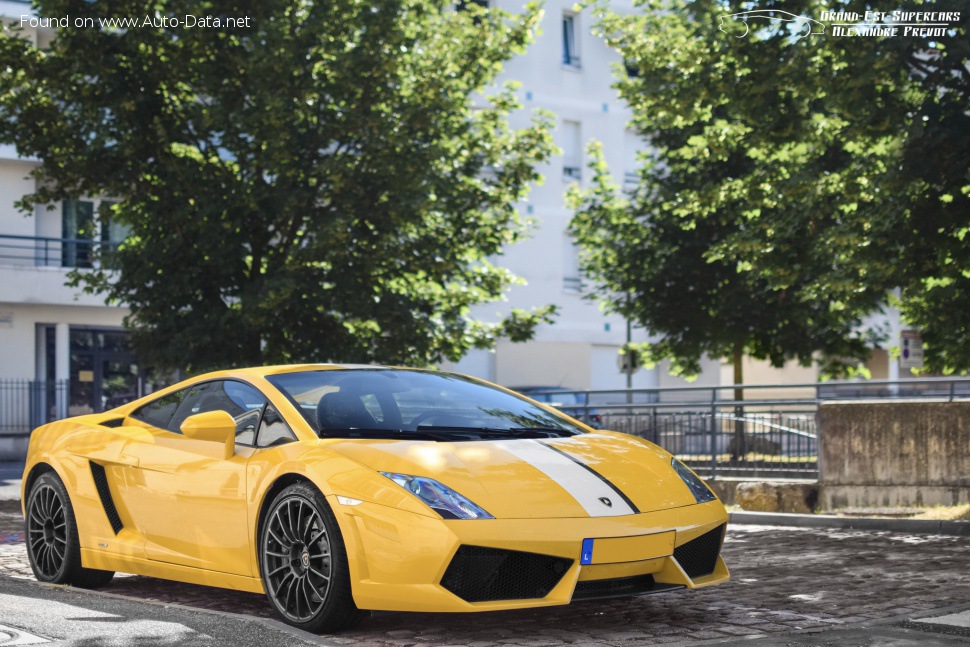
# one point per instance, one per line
(53, 548)
(303, 563)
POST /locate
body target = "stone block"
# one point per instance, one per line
(767, 496)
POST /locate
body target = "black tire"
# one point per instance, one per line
(53, 548)
(303, 563)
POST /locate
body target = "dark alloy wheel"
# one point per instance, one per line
(53, 548)
(47, 532)
(303, 562)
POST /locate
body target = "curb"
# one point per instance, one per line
(917, 526)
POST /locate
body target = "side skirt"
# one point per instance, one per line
(140, 566)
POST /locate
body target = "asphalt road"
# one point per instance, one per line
(34, 614)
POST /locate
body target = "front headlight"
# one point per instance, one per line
(439, 497)
(702, 493)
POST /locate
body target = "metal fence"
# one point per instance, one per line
(746, 430)
(743, 430)
(26, 404)
(41, 251)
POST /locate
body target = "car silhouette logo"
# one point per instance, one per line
(801, 26)
(606, 502)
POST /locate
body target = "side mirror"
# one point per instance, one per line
(214, 426)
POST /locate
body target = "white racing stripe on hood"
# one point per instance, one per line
(582, 484)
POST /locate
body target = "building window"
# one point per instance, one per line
(572, 151)
(570, 44)
(632, 145)
(77, 230)
(82, 234)
(463, 5)
(113, 233)
(632, 68)
(571, 276)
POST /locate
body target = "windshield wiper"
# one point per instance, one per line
(382, 434)
(542, 432)
(495, 432)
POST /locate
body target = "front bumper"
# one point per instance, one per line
(398, 559)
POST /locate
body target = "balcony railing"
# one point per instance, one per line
(38, 251)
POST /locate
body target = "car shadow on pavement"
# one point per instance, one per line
(81, 619)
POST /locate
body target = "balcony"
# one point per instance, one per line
(37, 251)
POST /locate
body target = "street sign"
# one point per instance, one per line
(911, 349)
(628, 362)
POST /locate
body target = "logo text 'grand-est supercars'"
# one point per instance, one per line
(913, 24)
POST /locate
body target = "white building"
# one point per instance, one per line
(52, 332)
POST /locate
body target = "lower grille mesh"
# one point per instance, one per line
(479, 574)
(619, 586)
(698, 557)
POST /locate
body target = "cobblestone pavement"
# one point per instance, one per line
(783, 579)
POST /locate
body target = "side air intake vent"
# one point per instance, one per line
(112, 422)
(104, 492)
(478, 574)
(698, 557)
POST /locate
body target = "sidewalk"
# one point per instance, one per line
(915, 526)
(11, 473)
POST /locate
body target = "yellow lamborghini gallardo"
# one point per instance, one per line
(337, 489)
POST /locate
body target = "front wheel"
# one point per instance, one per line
(53, 548)
(303, 563)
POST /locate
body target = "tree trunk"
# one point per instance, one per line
(738, 446)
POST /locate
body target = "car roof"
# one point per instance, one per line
(264, 371)
(547, 389)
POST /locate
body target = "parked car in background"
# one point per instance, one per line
(569, 401)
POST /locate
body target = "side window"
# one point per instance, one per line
(158, 413)
(273, 430)
(245, 404)
(194, 396)
(241, 401)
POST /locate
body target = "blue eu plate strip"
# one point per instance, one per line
(587, 556)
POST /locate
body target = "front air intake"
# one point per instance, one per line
(479, 574)
(698, 557)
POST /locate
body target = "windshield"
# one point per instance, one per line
(400, 402)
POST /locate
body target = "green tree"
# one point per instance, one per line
(935, 174)
(315, 184)
(754, 228)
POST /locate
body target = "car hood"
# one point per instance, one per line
(547, 478)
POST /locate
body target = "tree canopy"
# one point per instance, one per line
(772, 210)
(326, 183)
(935, 182)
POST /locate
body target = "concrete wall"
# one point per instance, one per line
(894, 453)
